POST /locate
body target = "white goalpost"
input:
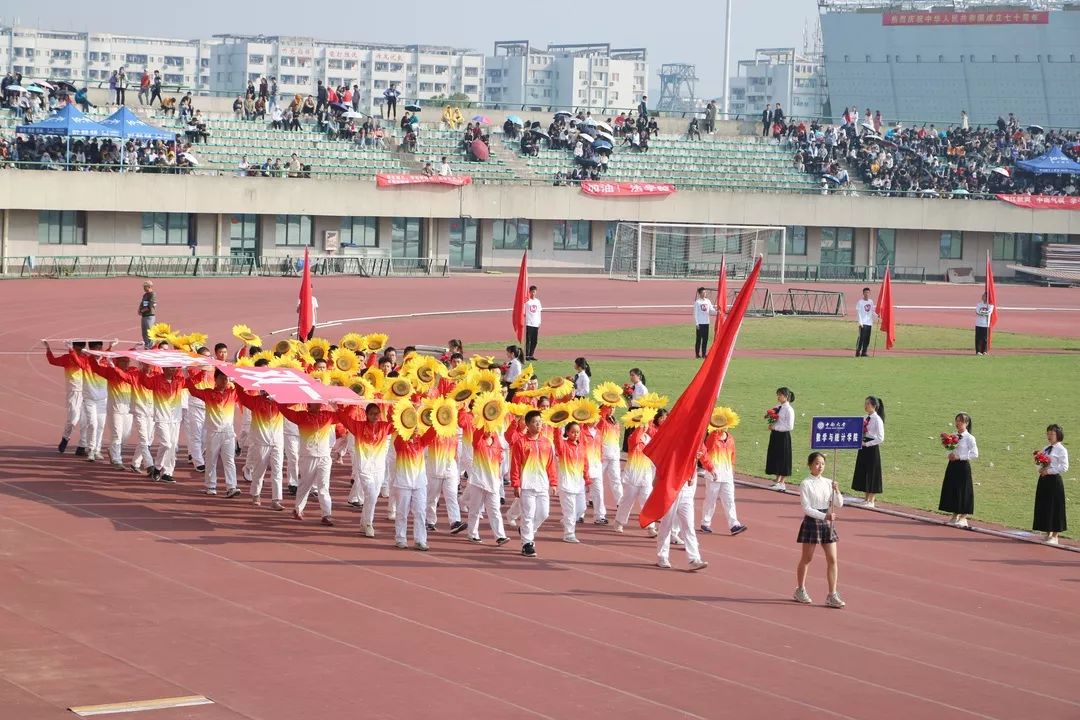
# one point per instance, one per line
(683, 250)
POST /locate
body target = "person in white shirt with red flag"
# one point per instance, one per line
(704, 311)
(867, 314)
(533, 312)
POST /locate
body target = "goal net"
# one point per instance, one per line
(665, 250)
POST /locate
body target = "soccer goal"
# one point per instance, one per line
(667, 250)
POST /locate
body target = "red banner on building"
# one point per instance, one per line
(626, 189)
(1005, 17)
(1043, 202)
(395, 179)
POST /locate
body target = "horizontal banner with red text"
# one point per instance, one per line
(287, 385)
(395, 179)
(1009, 17)
(1043, 202)
(625, 189)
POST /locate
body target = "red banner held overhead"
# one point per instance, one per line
(287, 385)
(982, 17)
(625, 189)
(396, 179)
(1043, 202)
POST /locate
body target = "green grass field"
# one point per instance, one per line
(1011, 398)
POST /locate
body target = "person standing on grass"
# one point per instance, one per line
(867, 313)
(582, 378)
(148, 312)
(533, 477)
(983, 312)
(957, 489)
(533, 311)
(704, 311)
(867, 478)
(820, 499)
(1050, 492)
(778, 457)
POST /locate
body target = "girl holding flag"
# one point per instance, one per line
(867, 478)
(820, 499)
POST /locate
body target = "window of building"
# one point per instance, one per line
(166, 229)
(285, 79)
(581, 74)
(837, 246)
(334, 64)
(471, 71)
(256, 59)
(407, 237)
(132, 59)
(294, 230)
(349, 65)
(61, 227)
(511, 234)
(244, 235)
(573, 235)
(382, 67)
(442, 69)
(795, 241)
(717, 242)
(287, 61)
(360, 232)
(175, 61)
(61, 54)
(952, 245)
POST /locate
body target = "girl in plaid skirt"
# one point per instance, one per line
(820, 498)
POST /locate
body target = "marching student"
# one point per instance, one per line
(195, 417)
(582, 375)
(443, 476)
(867, 477)
(1050, 491)
(610, 458)
(533, 477)
(593, 440)
(220, 402)
(265, 450)
(679, 522)
(120, 378)
(533, 313)
(95, 397)
(718, 459)
(983, 313)
(409, 488)
(865, 309)
(704, 311)
(820, 498)
(637, 477)
(314, 424)
(370, 448)
(485, 481)
(778, 457)
(142, 417)
(166, 387)
(291, 436)
(957, 490)
(573, 478)
(73, 389)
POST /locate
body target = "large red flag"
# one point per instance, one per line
(521, 296)
(886, 312)
(674, 449)
(721, 295)
(991, 300)
(306, 322)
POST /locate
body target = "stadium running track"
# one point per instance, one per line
(115, 589)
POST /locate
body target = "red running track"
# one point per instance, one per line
(113, 588)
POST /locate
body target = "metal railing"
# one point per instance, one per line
(97, 266)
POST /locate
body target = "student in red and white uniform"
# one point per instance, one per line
(611, 460)
(166, 387)
(593, 441)
(533, 477)
(443, 476)
(265, 444)
(679, 521)
(718, 459)
(142, 417)
(195, 419)
(370, 446)
(95, 400)
(220, 433)
(637, 479)
(410, 488)
(73, 388)
(314, 424)
(573, 478)
(485, 482)
(120, 378)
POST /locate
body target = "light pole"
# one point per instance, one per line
(727, 58)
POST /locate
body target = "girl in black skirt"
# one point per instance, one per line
(957, 492)
(778, 458)
(820, 499)
(1050, 492)
(867, 477)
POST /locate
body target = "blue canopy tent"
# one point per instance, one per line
(131, 127)
(1052, 162)
(70, 122)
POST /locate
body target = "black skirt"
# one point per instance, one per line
(1050, 505)
(816, 532)
(957, 492)
(867, 476)
(778, 459)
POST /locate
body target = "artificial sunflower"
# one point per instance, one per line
(444, 416)
(283, 347)
(375, 377)
(263, 355)
(286, 361)
(353, 341)
(483, 362)
(159, 332)
(245, 362)
(428, 370)
(193, 341)
(584, 411)
(638, 417)
(534, 393)
(652, 400)
(322, 376)
(520, 409)
(318, 348)
(376, 341)
(489, 412)
(361, 387)
(405, 419)
(424, 414)
(244, 334)
(523, 378)
(486, 380)
(464, 391)
(346, 361)
(339, 378)
(723, 418)
(398, 388)
(610, 394)
(557, 415)
(459, 372)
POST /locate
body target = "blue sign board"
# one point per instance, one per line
(836, 433)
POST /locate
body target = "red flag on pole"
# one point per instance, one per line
(886, 312)
(991, 300)
(521, 296)
(306, 323)
(721, 294)
(674, 449)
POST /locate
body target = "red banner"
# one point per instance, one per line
(157, 358)
(1009, 17)
(625, 189)
(1043, 202)
(286, 385)
(395, 179)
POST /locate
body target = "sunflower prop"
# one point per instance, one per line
(375, 377)
(639, 417)
(405, 419)
(398, 388)
(444, 417)
(286, 361)
(353, 341)
(244, 334)
(428, 370)
(361, 387)
(541, 391)
(584, 411)
(340, 379)
(425, 414)
(557, 415)
(523, 378)
(318, 348)
(174, 340)
(283, 347)
(192, 341)
(245, 362)
(652, 400)
(376, 341)
(346, 361)
(489, 412)
(520, 409)
(723, 418)
(159, 332)
(483, 362)
(463, 392)
(264, 355)
(487, 380)
(322, 376)
(459, 372)
(609, 394)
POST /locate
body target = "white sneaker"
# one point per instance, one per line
(1052, 541)
(801, 596)
(369, 531)
(698, 565)
(834, 601)
(391, 516)
(210, 491)
(778, 486)
(400, 545)
(663, 564)
(677, 541)
(869, 504)
(962, 523)
(651, 530)
(618, 528)
(511, 522)
(570, 539)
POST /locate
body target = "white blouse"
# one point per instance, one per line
(513, 369)
(1059, 459)
(967, 449)
(786, 421)
(816, 493)
(581, 384)
(639, 390)
(875, 430)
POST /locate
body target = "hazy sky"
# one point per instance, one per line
(682, 32)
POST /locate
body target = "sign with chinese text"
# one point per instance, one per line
(984, 17)
(397, 179)
(286, 385)
(1043, 202)
(625, 189)
(836, 433)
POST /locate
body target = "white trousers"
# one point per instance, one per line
(119, 428)
(221, 445)
(195, 421)
(144, 434)
(292, 459)
(74, 411)
(632, 495)
(481, 501)
(93, 420)
(725, 491)
(573, 507)
(679, 518)
(535, 507)
(314, 473)
(613, 479)
(365, 489)
(596, 494)
(414, 501)
(168, 434)
(448, 486)
(260, 459)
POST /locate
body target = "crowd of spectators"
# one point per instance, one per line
(957, 161)
(48, 152)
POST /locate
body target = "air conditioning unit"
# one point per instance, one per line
(331, 241)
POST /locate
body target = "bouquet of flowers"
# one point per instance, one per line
(949, 441)
(628, 391)
(771, 416)
(1041, 459)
